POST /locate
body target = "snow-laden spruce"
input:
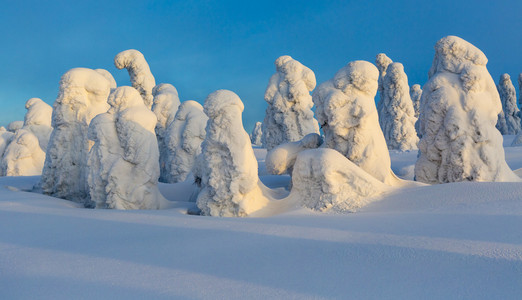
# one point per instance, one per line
(183, 140)
(415, 94)
(165, 106)
(23, 156)
(324, 180)
(38, 120)
(141, 77)
(257, 134)
(382, 62)
(230, 186)
(132, 179)
(14, 126)
(83, 95)
(520, 90)
(289, 116)
(5, 138)
(281, 159)
(346, 110)
(509, 119)
(459, 109)
(397, 114)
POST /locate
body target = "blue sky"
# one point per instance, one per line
(202, 46)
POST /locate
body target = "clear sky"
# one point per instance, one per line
(202, 46)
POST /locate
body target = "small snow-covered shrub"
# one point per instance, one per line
(139, 71)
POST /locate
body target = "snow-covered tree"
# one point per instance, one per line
(14, 126)
(520, 90)
(5, 138)
(397, 114)
(83, 95)
(183, 140)
(509, 119)
(139, 72)
(415, 94)
(257, 134)
(382, 62)
(38, 120)
(346, 110)
(165, 106)
(132, 180)
(230, 186)
(107, 76)
(459, 109)
(23, 156)
(281, 159)
(289, 116)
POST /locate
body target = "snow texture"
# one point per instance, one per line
(256, 137)
(459, 109)
(183, 140)
(83, 95)
(38, 120)
(5, 138)
(289, 116)
(139, 72)
(325, 180)
(14, 126)
(281, 159)
(165, 106)
(107, 76)
(397, 116)
(230, 186)
(381, 61)
(23, 156)
(345, 108)
(508, 120)
(520, 90)
(415, 94)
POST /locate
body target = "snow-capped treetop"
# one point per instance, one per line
(126, 102)
(382, 61)
(257, 134)
(166, 103)
(38, 112)
(2, 128)
(415, 94)
(510, 123)
(15, 125)
(107, 76)
(139, 72)
(23, 156)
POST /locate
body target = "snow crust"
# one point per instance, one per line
(346, 110)
(83, 95)
(289, 116)
(459, 109)
(256, 137)
(23, 156)
(509, 118)
(38, 120)
(397, 116)
(165, 106)
(415, 94)
(281, 159)
(139, 71)
(230, 186)
(14, 126)
(183, 140)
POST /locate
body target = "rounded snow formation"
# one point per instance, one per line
(508, 120)
(324, 180)
(83, 95)
(257, 134)
(289, 116)
(139, 72)
(229, 183)
(38, 120)
(107, 76)
(127, 166)
(345, 108)
(281, 159)
(397, 114)
(5, 138)
(15, 125)
(23, 156)
(415, 94)
(183, 140)
(166, 103)
(459, 110)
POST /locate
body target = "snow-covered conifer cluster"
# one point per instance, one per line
(139, 72)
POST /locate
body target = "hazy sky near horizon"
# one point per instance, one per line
(202, 46)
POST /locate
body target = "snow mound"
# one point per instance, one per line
(165, 106)
(14, 126)
(139, 72)
(83, 95)
(459, 109)
(346, 110)
(509, 118)
(257, 134)
(289, 116)
(281, 159)
(183, 140)
(38, 120)
(23, 156)
(229, 183)
(325, 180)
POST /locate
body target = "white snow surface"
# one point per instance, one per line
(457, 240)
(183, 138)
(165, 105)
(141, 77)
(257, 134)
(459, 110)
(281, 159)
(289, 116)
(14, 126)
(38, 120)
(83, 95)
(509, 119)
(346, 110)
(415, 94)
(398, 115)
(230, 186)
